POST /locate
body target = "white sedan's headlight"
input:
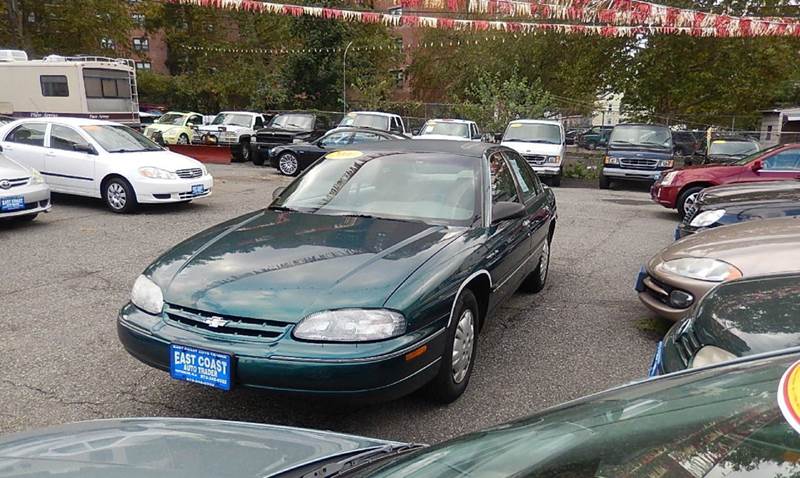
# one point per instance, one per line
(707, 218)
(351, 325)
(157, 173)
(710, 355)
(36, 177)
(701, 268)
(668, 178)
(147, 296)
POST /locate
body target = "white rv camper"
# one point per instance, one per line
(85, 87)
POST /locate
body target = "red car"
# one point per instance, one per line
(678, 188)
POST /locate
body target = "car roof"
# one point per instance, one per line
(363, 129)
(642, 124)
(449, 120)
(69, 120)
(536, 121)
(377, 113)
(422, 146)
(238, 113)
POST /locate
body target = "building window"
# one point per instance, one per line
(107, 44)
(54, 85)
(396, 11)
(769, 133)
(144, 65)
(141, 44)
(138, 19)
(31, 17)
(399, 78)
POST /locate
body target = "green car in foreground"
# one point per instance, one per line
(735, 420)
(369, 276)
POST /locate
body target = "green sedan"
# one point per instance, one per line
(369, 276)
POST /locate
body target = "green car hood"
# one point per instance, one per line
(285, 265)
(175, 448)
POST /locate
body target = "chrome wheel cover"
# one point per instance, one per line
(288, 164)
(463, 343)
(689, 203)
(183, 139)
(116, 196)
(246, 152)
(544, 262)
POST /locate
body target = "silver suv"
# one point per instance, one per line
(23, 192)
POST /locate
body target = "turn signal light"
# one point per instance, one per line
(416, 353)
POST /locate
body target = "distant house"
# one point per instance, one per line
(780, 125)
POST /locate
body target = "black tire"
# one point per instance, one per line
(537, 279)
(604, 183)
(245, 150)
(687, 196)
(444, 388)
(119, 196)
(555, 181)
(258, 158)
(183, 139)
(288, 164)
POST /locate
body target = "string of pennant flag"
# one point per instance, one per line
(659, 19)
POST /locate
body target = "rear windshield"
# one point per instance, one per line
(647, 136)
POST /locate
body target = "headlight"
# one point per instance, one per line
(147, 296)
(668, 178)
(707, 218)
(157, 173)
(665, 163)
(554, 159)
(701, 268)
(710, 355)
(36, 177)
(610, 160)
(351, 325)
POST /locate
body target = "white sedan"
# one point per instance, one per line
(104, 160)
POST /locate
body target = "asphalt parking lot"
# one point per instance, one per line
(65, 276)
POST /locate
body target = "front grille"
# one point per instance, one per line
(657, 290)
(245, 327)
(634, 163)
(535, 159)
(274, 138)
(13, 183)
(189, 173)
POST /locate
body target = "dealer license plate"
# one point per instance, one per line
(198, 189)
(13, 203)
(205, 367)
(639, 285)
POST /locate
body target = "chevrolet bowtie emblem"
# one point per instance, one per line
(215, 322)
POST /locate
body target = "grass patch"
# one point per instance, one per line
(656, 327)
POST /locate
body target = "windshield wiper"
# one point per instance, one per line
(329, 470)
(282, 208)
(123, 150)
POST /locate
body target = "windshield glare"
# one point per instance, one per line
(171, 118)
(431, 188)
(533, 133)
(447, 129)
(120, 139)
(232, 119)
(732, 148)
(366, 120)
(641, 135)
(293, 121)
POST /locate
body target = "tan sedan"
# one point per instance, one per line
(678, 276)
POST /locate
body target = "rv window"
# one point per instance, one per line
(54, 85)
(65, 138)
(109, 88)
(28, 133)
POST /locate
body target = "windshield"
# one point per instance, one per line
(120, 139)
(233, 119)
(293, 121)
(366, 120)
(171, 118)
(755, 155)
(707, 423)
(732, 148)
(447, 129)
(432, 188)
(533, 133)
(651, 136)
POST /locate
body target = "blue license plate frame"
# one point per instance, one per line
(12, 204)
(201, 366)
(638, 286)
(655, 364)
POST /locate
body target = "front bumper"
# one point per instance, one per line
(667, 196)
(547, 170)
(153, 191)
(654, 292)
(684, 230)
(373, 371)
(36, 197)
(632, 174)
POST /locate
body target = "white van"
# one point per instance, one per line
(541, 143)
(84, 87)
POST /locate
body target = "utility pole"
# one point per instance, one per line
(15, 21)
(344, 79)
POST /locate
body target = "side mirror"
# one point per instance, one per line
(415, 132)
(757, 165)
(84, 148)
(278, 191)
(504, 210)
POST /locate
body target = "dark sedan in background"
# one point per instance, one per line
(735, 319)
(291, 159)
(288, 128)
(724, 205)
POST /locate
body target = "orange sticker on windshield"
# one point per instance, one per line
(789, 396)
(345, 154)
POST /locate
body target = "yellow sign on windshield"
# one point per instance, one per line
(789, 396)
(345, 154)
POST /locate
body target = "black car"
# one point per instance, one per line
(727, 150)
(572, 135)
(688, 143)
(288, 128)
(290, 159)
(731, 204)
(735, 319)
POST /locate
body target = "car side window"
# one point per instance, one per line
(62, 137)
(195, 120)
(259, 122)
(29, 133)
(526, 177)
(336, 139)
(788, 160)
(503, 187)
(359, 138)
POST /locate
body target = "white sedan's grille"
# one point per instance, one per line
(189, 173)
(12, 183)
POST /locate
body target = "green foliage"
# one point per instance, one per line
(492, 100)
